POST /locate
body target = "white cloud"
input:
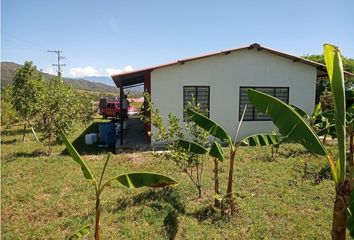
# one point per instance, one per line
(128, 69)
(84, 72)
(90, 71)
(111, 71)
(50, 70)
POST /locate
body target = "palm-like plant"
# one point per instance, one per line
(130, 180)
(218, 132)
(293, 126)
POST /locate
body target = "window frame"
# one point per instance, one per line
(196, 91)
(253, 108)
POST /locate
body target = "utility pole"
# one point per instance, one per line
(59, 65)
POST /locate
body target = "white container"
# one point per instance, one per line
(94, 137)
(88, 139)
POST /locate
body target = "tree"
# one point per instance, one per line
(27, 85)
(59, 107)
(292, 125)
(188, 162)
(323, 85)
(8, 113)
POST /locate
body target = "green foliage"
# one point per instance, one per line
(85, 108)
(80, 234)
(288, 121)
(216, 151)
(172, 136)
(191, 147)
(130, 180)
(336, 78)
(262, 140)
(208, 125)
(26, 91)
(323, 86)
(8, 112)
(77, 158)
(291, 124)
(138, 180)
(60, 108)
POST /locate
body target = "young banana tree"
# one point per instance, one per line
(293, 126)
(218, 132)
(215, 152)
(130, 180)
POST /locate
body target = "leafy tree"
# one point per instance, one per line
(8, 113)
(27, 85)
(188, 162)
(323, 85)
(86, 109)
(59, 106)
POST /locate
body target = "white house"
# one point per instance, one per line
(219, 81)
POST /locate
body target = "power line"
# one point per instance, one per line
(59, 57)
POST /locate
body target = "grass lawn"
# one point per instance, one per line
(48, 198)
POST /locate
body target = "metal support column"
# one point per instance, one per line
(121, 112)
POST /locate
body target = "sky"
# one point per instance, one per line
(103, 37)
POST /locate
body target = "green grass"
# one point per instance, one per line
(48, 198)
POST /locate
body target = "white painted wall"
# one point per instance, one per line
(225, 74)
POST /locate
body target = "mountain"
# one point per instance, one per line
(8, 70)
(136, 91)
(101, 79)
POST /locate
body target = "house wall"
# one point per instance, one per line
(225, 74)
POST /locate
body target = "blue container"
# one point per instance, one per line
(107, 133)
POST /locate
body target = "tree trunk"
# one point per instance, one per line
(97, 221)
(24, 131)
(340, 212)
(216, 181)
(229, 193)
(351, 148)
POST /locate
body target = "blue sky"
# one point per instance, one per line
(102, 37)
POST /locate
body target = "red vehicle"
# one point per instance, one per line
(109, 109)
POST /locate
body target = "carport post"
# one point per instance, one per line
(121, 112)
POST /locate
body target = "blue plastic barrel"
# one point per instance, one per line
(107, 133)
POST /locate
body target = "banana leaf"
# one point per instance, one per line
(216, 151)
(80, 234)
(300, 111)
(336, 79)
(262, 140)
(77, 158)
(208, 125)
(191, 147)
(145, 179)
(290, 124)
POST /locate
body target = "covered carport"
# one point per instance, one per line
(137, 132)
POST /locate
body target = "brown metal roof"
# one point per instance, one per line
(132, 74)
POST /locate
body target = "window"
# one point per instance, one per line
(201, 95)
(251, 113)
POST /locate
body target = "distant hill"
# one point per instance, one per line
(101, 79)
(8, 72)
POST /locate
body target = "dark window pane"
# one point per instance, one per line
(251, 113)
(200, 95)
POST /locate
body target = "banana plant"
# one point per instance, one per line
(293, 126)
(218, 132)
(129, 180)
(215, 152)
